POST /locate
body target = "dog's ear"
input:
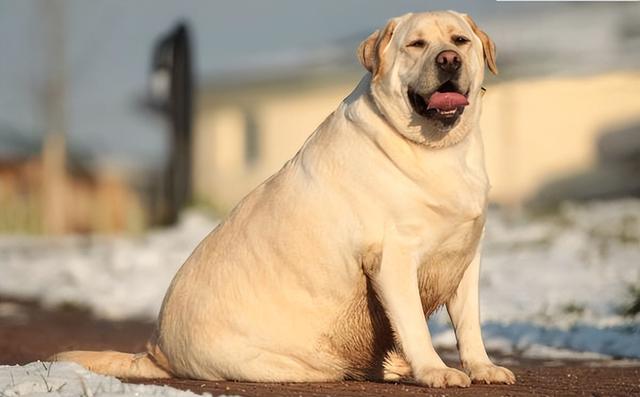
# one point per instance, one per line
(372, 48)
(366, 51)
(488, 47)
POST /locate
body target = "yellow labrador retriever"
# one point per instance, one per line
(328, 269)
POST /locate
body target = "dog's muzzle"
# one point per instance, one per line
(445, 104)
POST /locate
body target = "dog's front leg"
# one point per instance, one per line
(465, 315)
(395, 280)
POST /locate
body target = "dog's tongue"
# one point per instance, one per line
(446, 101)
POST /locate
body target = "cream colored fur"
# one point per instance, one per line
(327, 270)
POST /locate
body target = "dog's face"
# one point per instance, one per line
(427, 71)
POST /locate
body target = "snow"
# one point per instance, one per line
(116, 277)
(551, 285)
(70, 379)
(560, 281)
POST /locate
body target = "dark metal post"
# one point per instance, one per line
(172, 64)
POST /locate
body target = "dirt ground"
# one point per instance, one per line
(29, 333)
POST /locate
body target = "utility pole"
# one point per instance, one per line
(54, 174)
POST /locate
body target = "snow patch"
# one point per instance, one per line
(71, 380)
(559, 281)
(116, 277)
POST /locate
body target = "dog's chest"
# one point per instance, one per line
(442, 268)
(445, 235)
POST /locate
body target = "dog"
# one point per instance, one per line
(328, 270)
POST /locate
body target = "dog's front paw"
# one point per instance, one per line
(443, 377)
(490, 373)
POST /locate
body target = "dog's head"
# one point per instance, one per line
(427, 71)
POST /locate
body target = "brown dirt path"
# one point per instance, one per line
(29, 333)
(532, 381)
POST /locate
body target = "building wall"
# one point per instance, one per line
(535, 130)
(222, 172)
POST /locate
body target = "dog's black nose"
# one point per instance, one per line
(448, 61)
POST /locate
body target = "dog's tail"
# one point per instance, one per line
(122, 365)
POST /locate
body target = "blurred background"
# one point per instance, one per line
(115, 116)
(127, 118)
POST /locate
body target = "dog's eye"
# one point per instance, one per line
(419, 43)
(459, 40)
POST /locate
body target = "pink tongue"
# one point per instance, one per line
(446, 101)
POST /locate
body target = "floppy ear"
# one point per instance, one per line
(488, 47)
(371, 49)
